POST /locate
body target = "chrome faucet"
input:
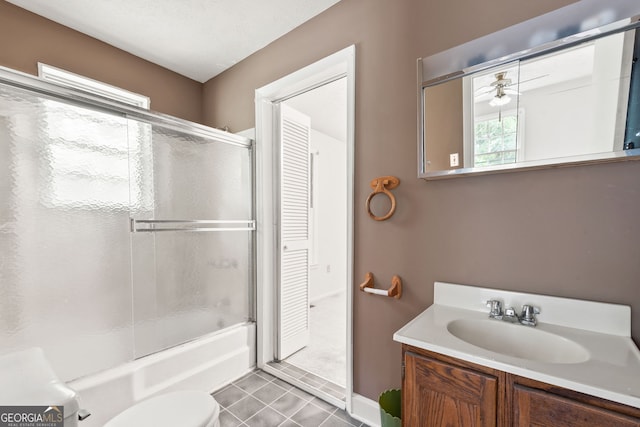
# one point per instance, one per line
(527, 317)
(510, 315)
(496, 309)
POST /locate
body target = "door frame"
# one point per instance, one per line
(335, 66)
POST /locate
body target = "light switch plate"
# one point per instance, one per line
(453, 159)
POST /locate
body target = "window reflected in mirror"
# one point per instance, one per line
(495, 139)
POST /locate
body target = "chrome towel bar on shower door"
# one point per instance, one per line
(155, 225)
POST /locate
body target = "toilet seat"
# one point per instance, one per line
(180, 408)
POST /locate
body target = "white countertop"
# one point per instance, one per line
(612, 371)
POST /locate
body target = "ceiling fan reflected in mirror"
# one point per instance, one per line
(500, 89)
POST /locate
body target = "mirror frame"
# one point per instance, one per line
(557, 30)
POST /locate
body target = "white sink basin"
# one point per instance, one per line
(519, 341)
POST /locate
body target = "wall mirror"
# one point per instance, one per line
(571, 100)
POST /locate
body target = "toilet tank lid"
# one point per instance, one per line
(28, 379)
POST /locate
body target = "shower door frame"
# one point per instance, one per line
(95, 102)
(100, 103)
(338, 65)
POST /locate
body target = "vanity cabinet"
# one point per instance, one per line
(439, 393)
(440, 390)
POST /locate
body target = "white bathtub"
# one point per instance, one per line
(205, 364)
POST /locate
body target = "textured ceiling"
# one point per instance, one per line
(196, 38)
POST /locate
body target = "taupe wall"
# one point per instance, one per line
(571, 232)
(26, 39)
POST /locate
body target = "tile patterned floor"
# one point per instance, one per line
(261, 400)
(310, 379)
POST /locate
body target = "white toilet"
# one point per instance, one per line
(180, 408)
(26, 378)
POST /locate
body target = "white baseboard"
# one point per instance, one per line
(365, 410)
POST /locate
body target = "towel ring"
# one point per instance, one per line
(383, 184)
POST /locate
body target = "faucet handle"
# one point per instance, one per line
(528, 316)
(496, 308)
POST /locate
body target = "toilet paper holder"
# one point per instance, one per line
(394, 291)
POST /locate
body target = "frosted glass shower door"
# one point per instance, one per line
(191, 239)
(65, 281)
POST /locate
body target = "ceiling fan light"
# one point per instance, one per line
(498, 101)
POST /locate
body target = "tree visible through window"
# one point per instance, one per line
(496, 139)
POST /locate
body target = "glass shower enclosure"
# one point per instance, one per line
(122, 232)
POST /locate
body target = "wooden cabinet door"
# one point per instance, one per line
(541, 409)
(437, 394)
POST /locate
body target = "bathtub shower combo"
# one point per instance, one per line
(126, 245)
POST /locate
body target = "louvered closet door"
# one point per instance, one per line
(293, 301)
